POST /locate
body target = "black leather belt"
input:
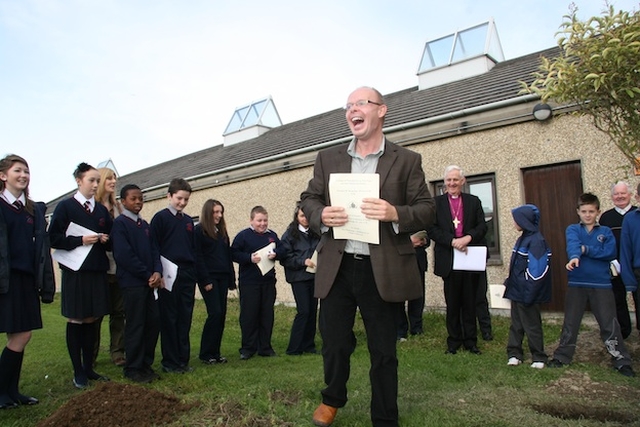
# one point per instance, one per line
(358, 257)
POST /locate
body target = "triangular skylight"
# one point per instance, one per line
(262, 112)
(471, 42)
(108, 164)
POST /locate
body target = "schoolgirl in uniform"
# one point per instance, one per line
(85, 294)
(106, 195)
(26, 274)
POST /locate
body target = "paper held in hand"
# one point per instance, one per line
(74, 258)
(265, 264)
(474, 260)
(347, 190)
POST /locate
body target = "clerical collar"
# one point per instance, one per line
(623, 211)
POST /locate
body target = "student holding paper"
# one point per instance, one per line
(295, 253)
(254, 250)
(459, 224)
(173, 232)
(85, 293)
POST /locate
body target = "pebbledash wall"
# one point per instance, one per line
(504, 151)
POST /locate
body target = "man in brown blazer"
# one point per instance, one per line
(352, 274)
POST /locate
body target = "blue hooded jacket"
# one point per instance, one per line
(529, 280)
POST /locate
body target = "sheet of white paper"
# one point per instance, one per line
(265, 265)
(169, 273)
(74, 258)
(497, 301)
(474, 260)
(347, 190)
(314, 260)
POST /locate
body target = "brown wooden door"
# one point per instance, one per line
(555, 189)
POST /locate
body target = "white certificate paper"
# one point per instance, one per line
(74, 258)
(265, 264)
(474, 260)
(169, 272)
(497, 300)
(347, 190)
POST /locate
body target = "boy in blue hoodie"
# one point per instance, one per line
(528, 286)
(590, 249)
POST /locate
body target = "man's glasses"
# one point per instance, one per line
(360, 103)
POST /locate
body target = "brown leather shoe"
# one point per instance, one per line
(324, 415)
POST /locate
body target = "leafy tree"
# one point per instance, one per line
(599, 70)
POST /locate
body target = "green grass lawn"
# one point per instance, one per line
(435, 389)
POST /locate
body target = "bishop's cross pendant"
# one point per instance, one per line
(456, 222)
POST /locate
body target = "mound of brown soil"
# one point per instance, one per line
(114, 404)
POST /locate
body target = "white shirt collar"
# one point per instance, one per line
(622, 211)
(10, 198)
(81, 199)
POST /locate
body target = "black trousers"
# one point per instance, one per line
(176, 313)
(256, 318)
(482, 306)
(141, 329)
(526, 319)
(216, 302)
(355, 288)
(622, 308)
(303, 330)
(460, 290)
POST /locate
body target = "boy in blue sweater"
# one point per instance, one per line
(257, 291)
(590, 249)
(172, 231)
(139, 276)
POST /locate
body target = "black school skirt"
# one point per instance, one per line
(20, 306)
(84, 294)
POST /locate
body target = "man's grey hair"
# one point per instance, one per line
(453, 168)
(625, 183)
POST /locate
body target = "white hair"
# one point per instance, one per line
(625, 183)
(453, 168)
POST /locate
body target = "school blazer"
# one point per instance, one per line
(402, 184)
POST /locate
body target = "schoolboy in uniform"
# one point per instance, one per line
(139, 276)
(257, 292)
(172, 231)
(590, 249)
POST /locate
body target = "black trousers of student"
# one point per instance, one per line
(622, 308)
(141, 329)
(460, 291)
(176, 313)
(256, 318)
(303, 330)
(526, 319)
(216, 302)
(355, 288)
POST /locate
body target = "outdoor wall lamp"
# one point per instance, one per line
(542, 112)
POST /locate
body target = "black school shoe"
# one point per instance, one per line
(626, 370)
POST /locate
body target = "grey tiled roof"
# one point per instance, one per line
(409, 105)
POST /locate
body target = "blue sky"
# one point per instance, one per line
(145, 81)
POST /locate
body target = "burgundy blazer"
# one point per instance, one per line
(402, 184)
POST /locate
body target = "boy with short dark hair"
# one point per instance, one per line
(172, 231)
(528, 286)
(139, 276)
(257, 291)
(590, 249)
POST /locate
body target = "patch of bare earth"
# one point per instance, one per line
(114, 404)
(576, 396)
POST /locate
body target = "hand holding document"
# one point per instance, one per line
(314, 260)
(169, 272)
(74, 258)
(475, 259)
(265, 264)
(347, 190)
